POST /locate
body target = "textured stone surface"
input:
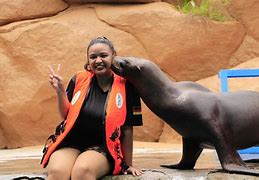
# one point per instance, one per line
(247, 13)
(11, 11)
(220, 176)
(248, 50)
(169, 135)
(147, 156)
(152, 126)
(110, 1)
(184, 46)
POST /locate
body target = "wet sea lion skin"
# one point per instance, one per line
(225, 121)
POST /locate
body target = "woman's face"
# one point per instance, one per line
(100, 59)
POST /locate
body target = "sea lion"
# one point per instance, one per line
(204, 119)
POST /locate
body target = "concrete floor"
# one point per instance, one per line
(147, 156)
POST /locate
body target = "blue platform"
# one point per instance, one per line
(253, 152)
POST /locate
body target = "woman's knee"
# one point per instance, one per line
(83, 170)
(90, 165)
(58, 172)
(61, 163)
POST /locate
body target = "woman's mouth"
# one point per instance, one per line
(99, 66)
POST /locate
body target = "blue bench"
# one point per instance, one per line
(239, 73)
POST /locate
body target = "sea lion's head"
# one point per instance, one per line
(124, 66)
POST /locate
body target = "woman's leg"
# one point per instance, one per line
(61, 163)
(90, 165)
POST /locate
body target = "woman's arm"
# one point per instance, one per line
(63, 103)
(127, 144)
(127, 149)
(133, 118)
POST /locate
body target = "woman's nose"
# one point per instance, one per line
(98, 59)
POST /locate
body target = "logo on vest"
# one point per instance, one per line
(119, 100)
(75, 97)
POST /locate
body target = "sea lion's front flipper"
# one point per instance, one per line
(191, 152)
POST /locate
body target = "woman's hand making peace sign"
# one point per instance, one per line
(55, 79)
(56, 82)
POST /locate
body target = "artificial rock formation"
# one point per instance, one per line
(109, 1)
(11, 11)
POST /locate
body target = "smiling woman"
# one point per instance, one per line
(97, 108)
(100, 57)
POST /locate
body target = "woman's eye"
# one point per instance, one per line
(92, 57)
(103, 55)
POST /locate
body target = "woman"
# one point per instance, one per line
(99, 108)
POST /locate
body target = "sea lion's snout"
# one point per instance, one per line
(117, 65)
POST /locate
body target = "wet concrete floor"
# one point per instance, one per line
(147, 156)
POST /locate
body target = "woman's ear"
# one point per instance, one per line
(87, 67)
(114, 54)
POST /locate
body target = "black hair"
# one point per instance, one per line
(100, 39)
(103, 40)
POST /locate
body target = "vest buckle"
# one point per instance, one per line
(115, 134)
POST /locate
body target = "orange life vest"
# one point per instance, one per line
(114, 118)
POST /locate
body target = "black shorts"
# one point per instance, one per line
(82, 148)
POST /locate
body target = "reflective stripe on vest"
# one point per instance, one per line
(114, 119)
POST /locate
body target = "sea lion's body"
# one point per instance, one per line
(227, 121)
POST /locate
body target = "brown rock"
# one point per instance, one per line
(169, 135)
(174, 2)
(224, 175)
(152, 126)
(11, 11)
(249, 49)
(3, 138)
(109, 1)
(186, 47)
(247, 13)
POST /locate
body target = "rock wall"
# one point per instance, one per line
(109, 1)
(11, 11)
(34, 35)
